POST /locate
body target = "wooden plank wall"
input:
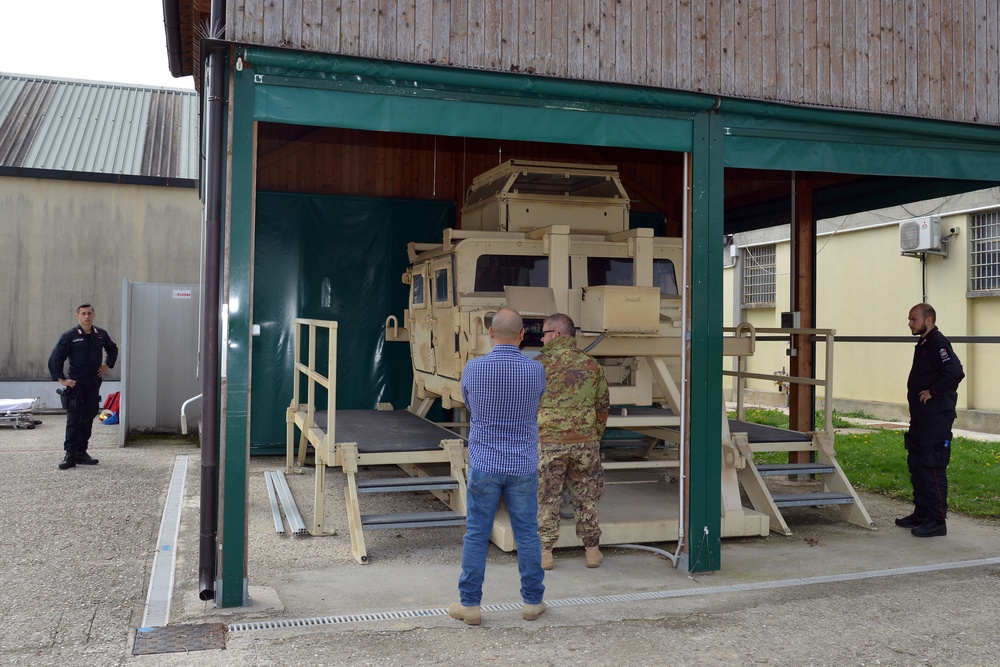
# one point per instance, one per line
(383, 164)
(929, 58)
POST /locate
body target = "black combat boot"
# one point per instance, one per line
(931, 528)
(83, 458)
(69, 461)
(911, 521)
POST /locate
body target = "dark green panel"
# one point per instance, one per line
(825, 153)
(341, 259)
(792, 139)
(654, 221)
(520, 87)
(704, 527)
(742, 114)
(277, 273)
(461, 117)
(234, 457)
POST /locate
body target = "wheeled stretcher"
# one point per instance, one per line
(18, 412)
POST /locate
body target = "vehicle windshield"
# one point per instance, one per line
(494, 272)
(618, 271)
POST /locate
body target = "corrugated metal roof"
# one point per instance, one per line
(98, 129)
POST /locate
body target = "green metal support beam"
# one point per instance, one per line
(704, 524)
(235, 441)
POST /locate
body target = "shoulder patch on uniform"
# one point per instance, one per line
(944, 354)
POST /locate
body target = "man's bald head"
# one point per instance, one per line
(507, 326)
(921, 319)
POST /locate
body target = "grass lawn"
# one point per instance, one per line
(875, 461)
(780, 419)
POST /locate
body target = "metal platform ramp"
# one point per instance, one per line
(359, 440)
(368, 441)
(748, 438)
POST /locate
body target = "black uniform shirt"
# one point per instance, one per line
(85, 353)
(937, 368)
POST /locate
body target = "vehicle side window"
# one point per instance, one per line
(609, 271)
(441, 286)
(417, 289)
(618, 271)
(664, 277)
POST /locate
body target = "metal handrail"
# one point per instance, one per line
(828, 336)
(314, 377)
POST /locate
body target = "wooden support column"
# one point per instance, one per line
(801, 411)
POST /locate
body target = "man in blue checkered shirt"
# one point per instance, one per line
(502, 391)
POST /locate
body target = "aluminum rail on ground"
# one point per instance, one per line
(279, 526)
(295, 523)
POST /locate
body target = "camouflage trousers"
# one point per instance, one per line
(575, 467)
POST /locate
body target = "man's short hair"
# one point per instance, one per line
(560, 322)
(82, 306)
(926, 310)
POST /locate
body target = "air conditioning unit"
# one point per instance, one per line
(920, 234)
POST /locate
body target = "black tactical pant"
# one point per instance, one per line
(928, 446)
(83, 405)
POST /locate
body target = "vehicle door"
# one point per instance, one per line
(445, 328)
(421, 319)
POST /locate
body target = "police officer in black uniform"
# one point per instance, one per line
(932, 393)
(91, 352)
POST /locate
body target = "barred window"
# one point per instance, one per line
(984, 252)
(758, 276)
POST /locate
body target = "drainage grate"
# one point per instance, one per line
(161, 578)
(609, 599)
(179, 638)
(349, 618)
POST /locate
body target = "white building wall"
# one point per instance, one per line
(68, 242)
(866, 288)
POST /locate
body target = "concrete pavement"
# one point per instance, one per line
(78, 546)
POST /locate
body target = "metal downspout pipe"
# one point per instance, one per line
(214, 181)
(685, 362)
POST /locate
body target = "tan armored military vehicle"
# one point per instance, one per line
(543, 238)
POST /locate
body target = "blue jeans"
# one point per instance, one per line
(520, 494)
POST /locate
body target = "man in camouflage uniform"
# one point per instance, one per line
(571, 419)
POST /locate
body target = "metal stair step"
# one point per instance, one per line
(771, 469)
(395, 484)
(413, 520)
(807, 499)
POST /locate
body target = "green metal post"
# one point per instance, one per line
(235, 456)
(704, 522)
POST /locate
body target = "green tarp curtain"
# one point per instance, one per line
(791, 147)
(461, 116)
(333, 258)
(337, 258)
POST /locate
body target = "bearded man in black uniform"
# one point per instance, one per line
(932, 393)
(91, 352)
